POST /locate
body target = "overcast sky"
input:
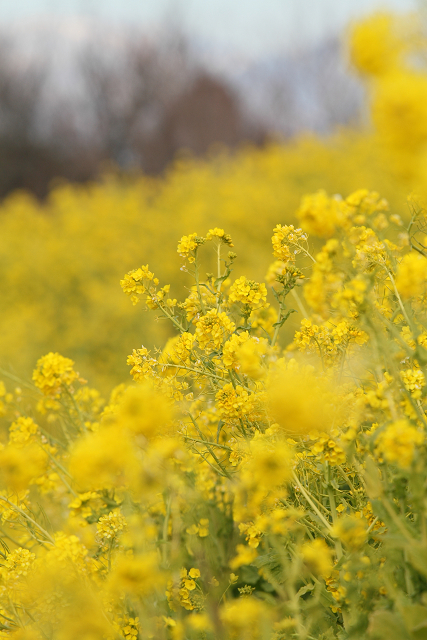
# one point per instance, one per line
(251, 27)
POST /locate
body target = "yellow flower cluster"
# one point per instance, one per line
(376, 43)
(300, 401)
(186, 595)
(411, 278)
(140, 281)
(87, 236)
(351, 530)
(22, 430)
(17, 565)
(317, 557)
(226, 449)
(234, 403)
(221, 235)
(212, 329)
(252, 295)
(326, 449)
(414, 382)
(287, 449)
(398, 442)
(328, 340)
(287, 242)
(53, 372)
(109, 528)
(187, 245)
(320, 214)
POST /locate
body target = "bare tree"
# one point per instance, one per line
(26, 160)
(308, 90)
(127, 95)
(135, 103)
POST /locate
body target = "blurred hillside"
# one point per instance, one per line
(76, 99)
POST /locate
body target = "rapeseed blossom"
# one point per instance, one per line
(411, 276)
(300, 401)
(252, 295)
(143, 411)
(376, 44)
(398, 442)
(229, 453)
(53, 371)
(262, 476)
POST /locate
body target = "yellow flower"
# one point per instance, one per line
(136, 575)
(399, 111)
(177, 351)
(414, 381)
(16, 565)
(22, 431)
(317, 557)
(287, 242)
(245, 555)
(234, 402)
(200, 622)
(411, 275)
(194, 573)
(188, 244)
(269, 466)
(104, 459)
(109, 527)
(319, 214)
(351, 530)
(398, 442)
(20, 466)
(247, 618)
(54, 372)
(251, 294)
(221, 235)
(144, 410)
(300, 401)
(203, 528)
(375, 44)
(212, 329)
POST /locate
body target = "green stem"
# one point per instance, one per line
(27, 517)
(277, 328)
(225, 472)
(310, 501)
(196, 277)
(213, 444)
(396, 520)
(299, 304)
(177, 324)
(165, 530)
(396, 293)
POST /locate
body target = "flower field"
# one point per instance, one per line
(261, 473)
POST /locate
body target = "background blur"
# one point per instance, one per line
(125, 125)
(87, 83)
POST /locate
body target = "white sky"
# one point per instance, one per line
(252, 28)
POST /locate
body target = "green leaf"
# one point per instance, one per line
(222, 278)
(373, 479)
(417, 557)
(285, 317)
(415, 617)
(304, 590)
(248, 574)
(386, 625)
(220, 425)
